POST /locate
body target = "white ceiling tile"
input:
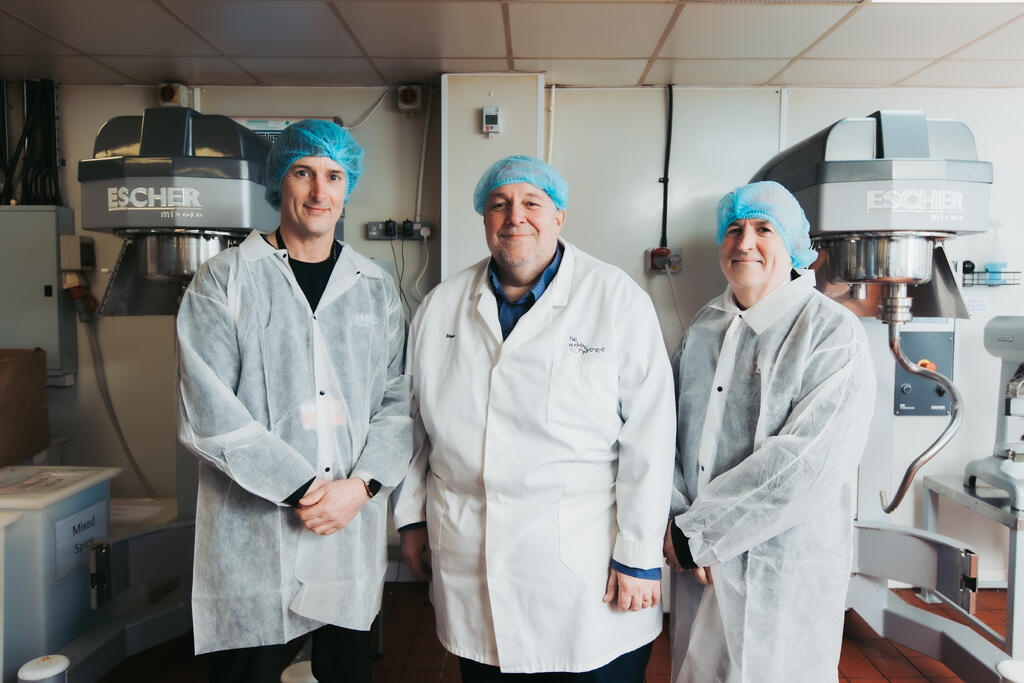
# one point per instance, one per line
(586, 72)
(427, 29)
(267, 28)
(192, 70)
(111, 27)
(1006, 43)
(848, 72)
(911, 31)
(18, 39)
(310, 71)
(609, 31)
(69, 70)
(748, 31)
(430, 70)
(713, 72)
(970, 74)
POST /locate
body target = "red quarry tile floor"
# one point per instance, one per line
(412, 653)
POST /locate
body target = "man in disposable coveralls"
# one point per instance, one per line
(291, 393)
(543, 402)
(775, 391)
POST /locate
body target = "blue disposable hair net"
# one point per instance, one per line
(312, 138)
(769, 201)
(522, 169)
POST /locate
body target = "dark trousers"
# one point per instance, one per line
(340, 655)
(629, 668)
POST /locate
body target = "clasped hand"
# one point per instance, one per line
(329, 506)
(668, 549)
(630, 593)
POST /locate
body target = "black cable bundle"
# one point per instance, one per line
(38, 178)
(4, 136)
(40, 183)
(664, 179)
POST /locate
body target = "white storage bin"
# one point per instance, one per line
(46, 556)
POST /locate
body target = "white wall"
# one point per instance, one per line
(467, 152)
(139, 351)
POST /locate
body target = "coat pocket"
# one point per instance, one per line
(587, 530)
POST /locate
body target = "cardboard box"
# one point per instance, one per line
(24, 419)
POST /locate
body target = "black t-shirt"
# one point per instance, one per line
(312, 277)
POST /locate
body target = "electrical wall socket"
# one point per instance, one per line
(382, 230)
(662, 260)
(411, 230)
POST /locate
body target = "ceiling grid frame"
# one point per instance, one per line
(595, 48)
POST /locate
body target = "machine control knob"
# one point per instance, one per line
(940, 391)
(905, 388)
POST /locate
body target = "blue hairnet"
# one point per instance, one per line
(312, 138)
(769, 201)
(522, 169)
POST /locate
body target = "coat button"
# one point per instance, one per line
(719, 388)
(327, 469)
(323, 393)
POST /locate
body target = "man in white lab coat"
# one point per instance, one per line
(543, 425)
(291, 392)
(775, 392)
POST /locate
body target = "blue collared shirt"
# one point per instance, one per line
(509, 312)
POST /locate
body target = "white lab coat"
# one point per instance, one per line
(271, 394)
(774, 407)
(539, 459)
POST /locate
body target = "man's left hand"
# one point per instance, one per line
(326, 509)
(631, 593)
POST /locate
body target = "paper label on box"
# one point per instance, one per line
(44, 482)
(74, 533)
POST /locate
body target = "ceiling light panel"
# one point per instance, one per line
(747, 31)
(113, 27)
(574, 30)
(911, 31)
(263, 28)
(427, 29)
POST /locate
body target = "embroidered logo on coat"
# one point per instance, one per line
(576, 346)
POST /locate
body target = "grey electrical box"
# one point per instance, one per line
(35, 310)
(915, 395)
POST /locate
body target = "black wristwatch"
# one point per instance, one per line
(372, 487)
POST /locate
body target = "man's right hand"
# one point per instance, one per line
(416, 551)
(668, 549)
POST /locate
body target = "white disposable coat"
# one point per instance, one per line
(270, 395)
(538, 460)
(774, 406)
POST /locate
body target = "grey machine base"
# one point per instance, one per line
(945, 570)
